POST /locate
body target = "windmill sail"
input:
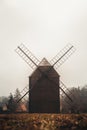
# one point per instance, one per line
(27, 56)
(63, 87)
(22, 93)
(62, 56)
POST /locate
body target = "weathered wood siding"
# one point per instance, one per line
(44, 94)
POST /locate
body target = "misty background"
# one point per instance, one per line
(45, 27)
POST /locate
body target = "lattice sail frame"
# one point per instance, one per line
(27, 56)
(62, 56)
(62, 95)
(22, 93)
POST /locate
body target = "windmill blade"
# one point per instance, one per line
(27, 56)
(22, 93)
(23, 96)
(62, 56)
(62, 98)
(71, 95)
(65, 90)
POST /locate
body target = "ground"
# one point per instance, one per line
(43, 121)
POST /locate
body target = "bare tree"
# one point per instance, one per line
(79, 97)
(17, 95)
(11, 105)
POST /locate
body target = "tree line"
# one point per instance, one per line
(77, 105)
(11, 104)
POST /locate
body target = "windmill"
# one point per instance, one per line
(45, 86)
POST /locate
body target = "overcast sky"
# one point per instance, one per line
(45, 26)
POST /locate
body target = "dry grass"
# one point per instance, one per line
(43, 121)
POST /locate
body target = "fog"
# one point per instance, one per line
(45, 27)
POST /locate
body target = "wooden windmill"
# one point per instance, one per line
(45, 86)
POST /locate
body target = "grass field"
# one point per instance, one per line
(43, 122)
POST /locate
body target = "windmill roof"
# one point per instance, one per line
(44, 62)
